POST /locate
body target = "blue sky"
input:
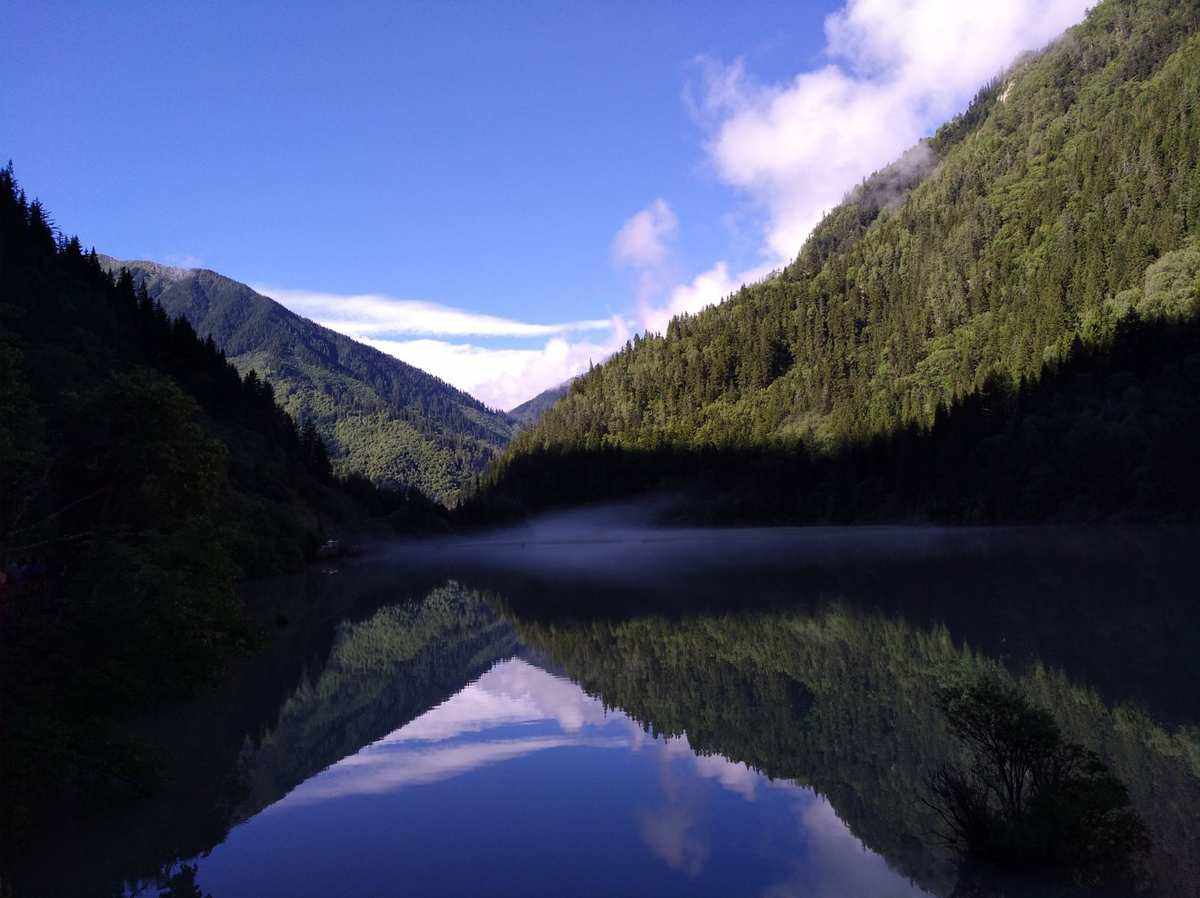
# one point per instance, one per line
(558, 175)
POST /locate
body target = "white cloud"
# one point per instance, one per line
(516, 710)
(504, 377)
(382, 767)
(733, 775)
(501, 377)
(895, 69)
(643, 240)
(644, 244)
(373, 314)
(672, 833)
(512, 692)
(458, 736)
(898, 68)
(705, 289)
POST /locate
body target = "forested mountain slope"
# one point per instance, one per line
(530, 411)
(380, 417)
(1059, 211)
(140, 476)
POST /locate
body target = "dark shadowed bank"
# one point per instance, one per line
(141, 476)
(1108, 434)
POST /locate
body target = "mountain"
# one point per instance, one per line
(140, 477)
(1044, 240)
(379, 417)
(529, 412)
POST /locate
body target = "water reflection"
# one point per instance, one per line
(521, 765)
(872, 734)
(720, 712)
(497, 718)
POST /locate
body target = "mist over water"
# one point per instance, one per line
(625, 541)
(596, 699)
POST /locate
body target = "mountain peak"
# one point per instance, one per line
(381, 417)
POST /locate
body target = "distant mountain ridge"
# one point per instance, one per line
(531, 410)
(381, 417)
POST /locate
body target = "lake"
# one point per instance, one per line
(588, 706)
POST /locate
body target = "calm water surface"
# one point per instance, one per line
(587, 708)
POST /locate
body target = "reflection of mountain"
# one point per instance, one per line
(1114, 609)
(381, 673)
(842, 697)
(731, 639)
(274, 725)
(521, 784)
(511, 711)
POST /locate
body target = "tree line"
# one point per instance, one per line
(1060, 211)
(140, 476)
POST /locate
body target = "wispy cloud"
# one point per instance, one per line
(894, 69)
(836, 862)
(644, 238)
(512, 692)
(416, 332)
(645, 244)
(374, 314)
(384, 767)
(703, 290)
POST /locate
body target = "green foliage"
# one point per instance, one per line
(140, 475)
(979, 259)
(851, 702)
(380, 418)
(20, 438)
(1108, 432)
(1171, 287)
(527, 413)
(1029, 800)
(381, 673)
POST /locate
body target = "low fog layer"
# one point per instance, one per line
(620, 543)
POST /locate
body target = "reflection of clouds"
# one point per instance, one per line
(675, 830)
(676, 822)
(445, 741)
(385, 767)
(733, 775)
(836, 862)
(512, 692)
(670, 833)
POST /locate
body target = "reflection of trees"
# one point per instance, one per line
(276, 724)
(181, 883)
(381, 673)
(779, 692)
(847, 702)
(1026, 799)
